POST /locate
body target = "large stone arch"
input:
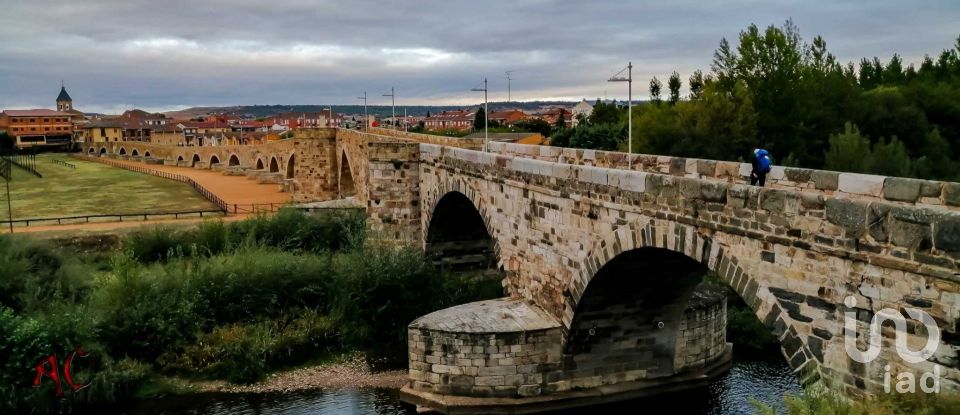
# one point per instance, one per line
(447, 186)
(233, 161)
(457, 237)
(716, 257)
(274, 165)
(291, 166)
(122, 151)
(214, 159)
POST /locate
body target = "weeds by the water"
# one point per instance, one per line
(222, 301)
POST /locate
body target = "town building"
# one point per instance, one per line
(508, 117)
(459, 120)
(553, 114)
(42, 127)
(582, 110)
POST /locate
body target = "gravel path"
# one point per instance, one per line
(342, 375)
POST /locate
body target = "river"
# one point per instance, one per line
(765, 378)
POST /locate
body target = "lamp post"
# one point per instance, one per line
(393, 110)
(366, 118)
(486, 113)
(629, 81)
(508, 83)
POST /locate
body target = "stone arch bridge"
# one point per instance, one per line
(602, 253)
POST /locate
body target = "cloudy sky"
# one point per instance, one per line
(161, 55)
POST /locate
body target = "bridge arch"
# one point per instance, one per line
(259, 163)
(123, 151)
(345, 182)
(233, 161)
(179, 160)
(91, 151)
(214, 160)
(103, 151)
(290, 166)
(683, 245)
(135, 153)
(274, 166)
(195, 160)
(146, 154)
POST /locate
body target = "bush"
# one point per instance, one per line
(34, 275)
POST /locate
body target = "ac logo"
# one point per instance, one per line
(48, 367)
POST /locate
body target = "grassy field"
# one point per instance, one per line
(91, 189)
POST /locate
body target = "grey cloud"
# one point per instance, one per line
(158, 54)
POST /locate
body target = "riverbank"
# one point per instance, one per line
(351, 372)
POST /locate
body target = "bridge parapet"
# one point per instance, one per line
(894, 189)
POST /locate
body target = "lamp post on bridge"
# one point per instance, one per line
(629, 80)
(486, 113)
(393, 108)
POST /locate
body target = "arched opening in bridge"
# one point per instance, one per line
(146, 154)
(123, 151)
(652, 313)
(259, 164)
(196, 159)
(214, 160)
(91, 151)
(457, 238)
(135, 153)
(179, 160)
(234, 160)
(290, 166)
(103, 151)
(274, 166)
(345, 186)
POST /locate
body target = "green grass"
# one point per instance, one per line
(92, 189)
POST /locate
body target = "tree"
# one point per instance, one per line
(535, 126)
(891, 159)
(655, 87)
(560, 123)
(849, 151)
(696, 84)
(479, 119)
(674, 85)
(604, 113)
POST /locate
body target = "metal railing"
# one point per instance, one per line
(119, 217)
(65, 164)
(27, 162)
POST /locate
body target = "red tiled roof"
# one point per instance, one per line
(36, 113)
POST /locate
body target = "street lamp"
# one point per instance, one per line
(486, 113)
(393, 112)
(366, 118)
(629, 80)
(508, 83)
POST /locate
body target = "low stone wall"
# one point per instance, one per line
(468, 143)
(895, 189)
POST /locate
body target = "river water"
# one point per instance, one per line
(764, 378)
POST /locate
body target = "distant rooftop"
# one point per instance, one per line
(36, 113)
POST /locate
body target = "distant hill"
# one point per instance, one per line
(259, 111)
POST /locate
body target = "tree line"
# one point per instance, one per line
(775, 91)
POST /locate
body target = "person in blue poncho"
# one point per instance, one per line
(761, 166)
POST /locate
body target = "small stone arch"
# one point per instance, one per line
(214, 160)
(274, 166)
(179, 160)
(259, 163)
(650, 233)
(103, 151)
(345, 183)
(123, 151)
(146, 154)
(91, 151)
(195, 160)
(291, 166)
(135, 153)
(233, 161)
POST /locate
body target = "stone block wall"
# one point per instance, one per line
(468, 143)
(315, 169)
(702, 338)
(393, 204)
(863, 186)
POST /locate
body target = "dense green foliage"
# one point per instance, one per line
(775, 91)
(818, 401)
(227, 301)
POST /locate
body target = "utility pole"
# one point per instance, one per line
(366, 118)
(508, 83)
(629, 81)
(393, 108)
(486, 114)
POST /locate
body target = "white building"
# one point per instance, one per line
(583, 108)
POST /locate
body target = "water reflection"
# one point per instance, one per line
(765, 378)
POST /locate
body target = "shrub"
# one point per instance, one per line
(34, 275)
(158, 243)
